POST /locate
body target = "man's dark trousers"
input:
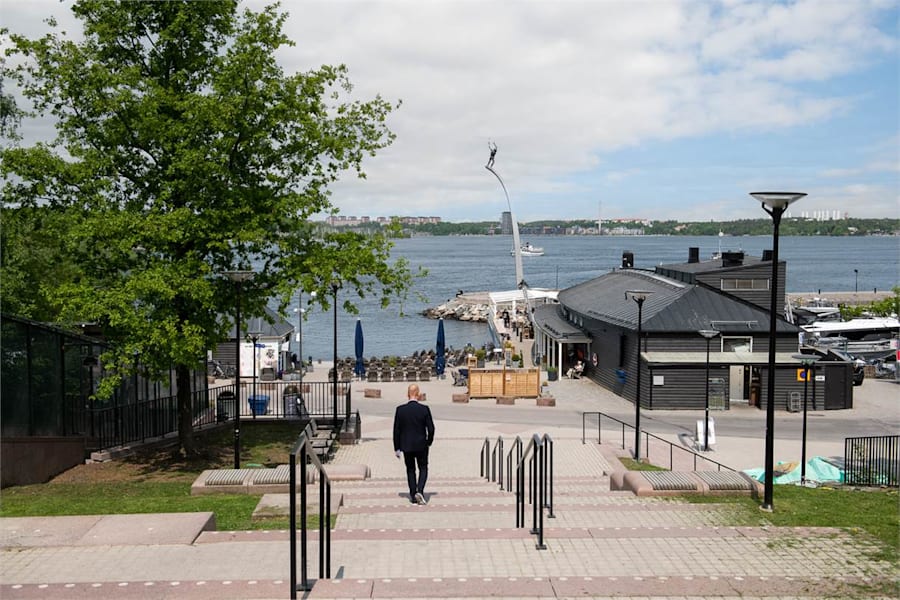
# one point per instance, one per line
(414, 459)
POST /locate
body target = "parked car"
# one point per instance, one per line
(859, 371)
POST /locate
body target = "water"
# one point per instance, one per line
(484, 263)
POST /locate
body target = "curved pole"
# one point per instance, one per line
(520, 277)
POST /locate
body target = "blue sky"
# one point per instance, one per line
(657, 109)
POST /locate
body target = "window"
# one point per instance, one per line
(737, 344)
(732, 285)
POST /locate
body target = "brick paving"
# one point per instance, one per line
(463, 544)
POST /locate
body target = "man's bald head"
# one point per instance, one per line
(412, 392)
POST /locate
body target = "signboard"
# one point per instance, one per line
(699, 439)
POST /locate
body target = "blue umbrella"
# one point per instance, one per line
(439, 349)
(360, 368)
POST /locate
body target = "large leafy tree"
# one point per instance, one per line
(184, 151)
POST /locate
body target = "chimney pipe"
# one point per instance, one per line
(693, 255)
(627, 260)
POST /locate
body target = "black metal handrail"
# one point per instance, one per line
(548, 469)
(485, 457)
(537, 487)
(307, 453)
(872, 460)
(497, 461)
(672, 447)
(517, 449)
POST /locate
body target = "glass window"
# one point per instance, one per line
(737, 344)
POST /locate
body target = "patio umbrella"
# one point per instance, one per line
(439, 349)
(360, 368)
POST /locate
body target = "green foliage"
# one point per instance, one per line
(183, 152)
(633, 465)
(880, 308)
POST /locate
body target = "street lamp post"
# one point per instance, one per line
(807, 360)
(238, 277)
(334, 384)
(775, 204)
(855, 280)
(709, 334)
(639, 296)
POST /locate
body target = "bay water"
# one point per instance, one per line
(484, 263)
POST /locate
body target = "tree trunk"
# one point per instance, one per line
(185, 416)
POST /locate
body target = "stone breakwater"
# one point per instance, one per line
(473, 306)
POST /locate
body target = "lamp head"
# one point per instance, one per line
(637, 295)
(777, 200)
(239, 276)
(708, 333)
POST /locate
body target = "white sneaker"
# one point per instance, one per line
(420, 499)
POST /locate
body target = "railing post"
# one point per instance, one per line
(304, 579)
(548, 457)
(292, 519)
(542, 485)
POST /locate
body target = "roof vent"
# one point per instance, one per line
(693, 255)
(767, 255)
(732, 259)
(627, 260)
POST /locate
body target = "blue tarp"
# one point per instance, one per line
(818, 469)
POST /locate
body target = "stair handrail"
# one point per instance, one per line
(533, 452)
(497, 461)
(485, 457)
(307, 453)
(548, 481)
(517, 449)
(647, 436)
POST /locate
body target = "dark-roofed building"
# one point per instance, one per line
(596, 322)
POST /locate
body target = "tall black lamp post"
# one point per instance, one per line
(334, 384)
(807, 360)
(638, 296)
(238, 277)
(709, 334)
(855, 280)
(774, 203)
(254, 337)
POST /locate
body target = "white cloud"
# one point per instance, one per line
(561, 85)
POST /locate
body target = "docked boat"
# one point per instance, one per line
(868, 339)
(527, 249)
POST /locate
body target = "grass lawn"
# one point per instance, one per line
(873, 511)
(160, 481)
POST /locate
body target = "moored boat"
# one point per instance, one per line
(527, 249)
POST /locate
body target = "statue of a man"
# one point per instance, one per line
(493, 148)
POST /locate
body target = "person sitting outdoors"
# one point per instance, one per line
(576, 371)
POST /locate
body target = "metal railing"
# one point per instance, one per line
(537, 487)
(492, 460)
(647, 437)
(114, 423)
(873, 460)
(307, 454)
(516, 450)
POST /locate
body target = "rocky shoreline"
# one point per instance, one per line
(473, 306)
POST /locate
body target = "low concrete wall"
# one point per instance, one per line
(27, 460)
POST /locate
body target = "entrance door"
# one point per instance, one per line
(736, 383)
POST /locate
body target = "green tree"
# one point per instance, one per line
(184, 151)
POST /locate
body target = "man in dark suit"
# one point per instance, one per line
(413, 435)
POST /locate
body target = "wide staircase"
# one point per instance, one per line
(598, 543)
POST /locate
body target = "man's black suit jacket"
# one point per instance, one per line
(413, 427)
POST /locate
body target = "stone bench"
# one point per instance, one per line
(269, 480)
(675, 483)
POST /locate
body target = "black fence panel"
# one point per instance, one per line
(872, 460)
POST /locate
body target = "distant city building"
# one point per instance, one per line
(342, 221)
(506, 223)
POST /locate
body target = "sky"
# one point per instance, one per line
(650, 109)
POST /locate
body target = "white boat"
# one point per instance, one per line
(527, 249)
(863, 338)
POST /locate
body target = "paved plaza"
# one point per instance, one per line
(464, 543)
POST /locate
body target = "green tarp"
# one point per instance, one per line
(818, 469)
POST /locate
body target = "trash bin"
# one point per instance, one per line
(259, 404)
(225, 406)
(289, 399)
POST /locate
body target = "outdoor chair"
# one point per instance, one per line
(371, 375)
(425, 374)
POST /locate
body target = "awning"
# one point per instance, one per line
(550, 322)
(717, 358)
